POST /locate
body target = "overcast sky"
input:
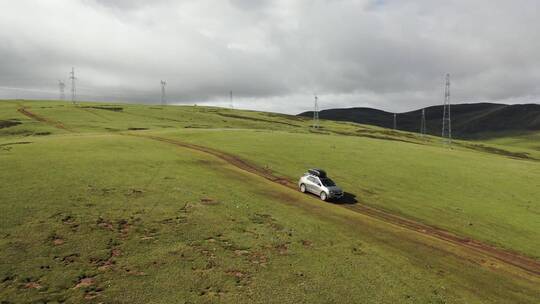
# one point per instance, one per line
(273, 55)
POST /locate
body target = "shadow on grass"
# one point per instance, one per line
(347, 199)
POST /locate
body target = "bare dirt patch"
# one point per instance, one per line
(209, 201)
(106, 224)
(133, 272)
(116, 252)
(89, 286)
(70, 258)
(123, 227)
(85, 282)
(241, 252)
(306, 243)
(258, 258)
(282, 249)
(211, 292)
(68, 220)
(32, 285)
(58, 242)
(238, 275)
(92, 294)
(56, 239)
(106, 265)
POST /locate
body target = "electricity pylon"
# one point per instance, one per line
(163, 96)
(447, 122)
(423, 123)
(61, 87)
(316, 113)
(73, 88)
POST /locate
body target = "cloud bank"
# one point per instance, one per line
(273, 55)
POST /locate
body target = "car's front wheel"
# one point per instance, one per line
(303, 188)
(323, 196)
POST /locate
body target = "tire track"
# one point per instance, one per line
(530, 265)
(23, 110)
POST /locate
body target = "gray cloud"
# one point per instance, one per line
(274, 54)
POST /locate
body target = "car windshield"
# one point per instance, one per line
(327, 182)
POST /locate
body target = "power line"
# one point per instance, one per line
(163, 96)
(316, 113)
(29, 90)
(447, 123)
(61, 87)
(73, 89)
(82, 91)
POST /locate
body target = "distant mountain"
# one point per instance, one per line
(468, 120)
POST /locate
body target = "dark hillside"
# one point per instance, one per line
(468, 120)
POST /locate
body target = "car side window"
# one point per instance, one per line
(314, 180)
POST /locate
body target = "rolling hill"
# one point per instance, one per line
(475, 120)
(123, 203)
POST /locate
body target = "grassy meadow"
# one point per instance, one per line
(92, 215)
(529, 142)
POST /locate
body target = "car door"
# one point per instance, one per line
(317, 188)
(310, 184)
(313, 185)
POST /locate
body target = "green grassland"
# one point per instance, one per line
(527, 141)
(90, 214)
(463, 191)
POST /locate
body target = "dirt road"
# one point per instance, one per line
(528, 264)
(56, 124)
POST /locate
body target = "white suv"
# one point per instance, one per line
(316, 182)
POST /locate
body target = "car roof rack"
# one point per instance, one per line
(317, 172)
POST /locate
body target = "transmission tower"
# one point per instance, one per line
(73, 88)
(163, 96)
(423, 123)
(61, 87)
(231, 100)
(316, 113)
(395, 121)
(446, 123)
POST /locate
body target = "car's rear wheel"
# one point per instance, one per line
(303, 188)
(323, 196)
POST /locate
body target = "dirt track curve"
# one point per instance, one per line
(56, 124)
(530, 265)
